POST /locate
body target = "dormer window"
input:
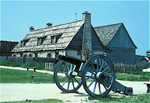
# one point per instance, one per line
(54, 39)
(23, 43)
(40, 40)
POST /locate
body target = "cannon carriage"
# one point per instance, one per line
(97, 75)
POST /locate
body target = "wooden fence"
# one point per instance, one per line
(50, 63)
(29, 59)
(119, 67)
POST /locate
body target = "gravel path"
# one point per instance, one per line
(21, 92)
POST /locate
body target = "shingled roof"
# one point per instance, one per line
(65, 31)
(107, 32)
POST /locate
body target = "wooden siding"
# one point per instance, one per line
(76, 42)
(96, 43)
(121, 39)
(123, 55)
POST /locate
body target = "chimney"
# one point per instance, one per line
(87, 40)
(48, 25)
(31, 28)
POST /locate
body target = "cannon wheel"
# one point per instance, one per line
(98, 76)
(66, 78)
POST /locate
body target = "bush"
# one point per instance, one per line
(32, 64)
(10, 63)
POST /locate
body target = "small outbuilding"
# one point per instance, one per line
(117, 38)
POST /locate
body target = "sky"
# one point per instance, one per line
(18, 16)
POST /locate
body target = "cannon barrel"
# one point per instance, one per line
(71, 60)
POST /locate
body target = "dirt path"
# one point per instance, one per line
(21, 92)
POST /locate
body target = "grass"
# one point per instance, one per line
(20, 76)
(133, 76)
(140, 98)
(38, 101)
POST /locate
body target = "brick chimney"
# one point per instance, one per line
(87, 40)
(31, 28)
(48, 25)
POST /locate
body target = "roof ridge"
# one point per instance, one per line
(58, 25)
(108, 25)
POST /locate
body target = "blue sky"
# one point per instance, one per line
(18, 16)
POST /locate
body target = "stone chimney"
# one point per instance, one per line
(48, 25)
(31, 28)
(87, 40)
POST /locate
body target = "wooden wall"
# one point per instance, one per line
(123, 47)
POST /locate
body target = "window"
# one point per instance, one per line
(30, 55)
(56, 54)
(54, 39)
(36, 54)
(21, 55)
(49, 55)
(41, 40)
(23, 43)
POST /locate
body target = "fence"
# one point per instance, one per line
(119, 67)
(29, 59)
(50, 63)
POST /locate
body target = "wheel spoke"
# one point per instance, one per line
(89, 69)
(105, 69)
(108, 74)
(93, 67)
(61, 78)
(64, 68)
(91, 83)
(64, 82)
(76, 80)
(94, 87)
(68, 84)
(99, 87)
(102, 65)
(73, 83)
(89, 78)
(97, 65)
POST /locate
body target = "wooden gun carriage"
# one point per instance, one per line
(97, 75)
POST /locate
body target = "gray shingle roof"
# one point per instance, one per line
(106, 33)
(148, 51)
(67, 32)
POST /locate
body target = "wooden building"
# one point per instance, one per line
(117, 38)
(6, 47)
(77, 38)
(148, 53)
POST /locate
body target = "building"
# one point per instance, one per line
(6, 47)
(117, 38)
(77, 38)
(148, 53)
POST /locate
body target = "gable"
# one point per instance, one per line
(106, 33)
(121, 39)
(96, 42)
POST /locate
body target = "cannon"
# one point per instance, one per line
(97, 75)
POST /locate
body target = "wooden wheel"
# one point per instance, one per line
(66, 78)
(98, 76)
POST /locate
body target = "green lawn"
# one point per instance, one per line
(140, 98)
(20, 76)
(133, 76)
(38, 101)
